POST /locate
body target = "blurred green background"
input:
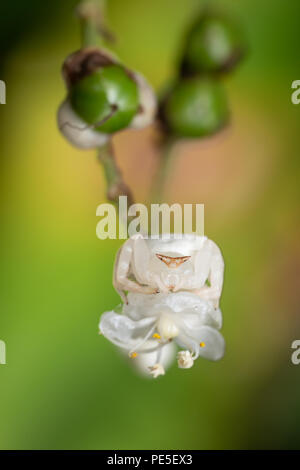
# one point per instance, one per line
(64, 387)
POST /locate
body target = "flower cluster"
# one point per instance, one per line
(183, 313)
(104, 96)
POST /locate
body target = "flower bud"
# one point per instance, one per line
(103, 97)
(195, 107)
(108, 98)
(214, 44)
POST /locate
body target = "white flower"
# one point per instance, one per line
(185, 360)
(151, 323)
(171, 288)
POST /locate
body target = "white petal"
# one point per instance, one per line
(123, 331)
(145, 360)
(205, 341)
(217, 317)
(76, 131)
(194, 309)
(141, 305)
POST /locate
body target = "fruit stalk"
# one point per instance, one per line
(114, 179)
(165, 166)
(90, 13)
(93, 31)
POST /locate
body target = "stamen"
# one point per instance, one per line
(185, 360)
(142, 341)
(191, 344)
(202, 344)
(156, 336)
(133, 355)
(159, 345)
(156, 370)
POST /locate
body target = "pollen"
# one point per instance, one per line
(133, 355)
(202, 344)
(156, 336)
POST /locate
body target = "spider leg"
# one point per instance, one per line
(214, 265)
(124, 266)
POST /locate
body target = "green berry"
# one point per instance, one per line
(196, 107)
(108, 96)
(214, 44)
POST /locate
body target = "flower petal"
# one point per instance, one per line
(145, 360)
(204, 341)
(142, 305)
(200, 311)
(123, 331)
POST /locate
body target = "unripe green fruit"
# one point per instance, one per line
(107, 92)
(196, 107)
(213, 45)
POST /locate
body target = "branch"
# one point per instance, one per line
(166, 165)
(93, 29)
(115, 184)
(91, 14)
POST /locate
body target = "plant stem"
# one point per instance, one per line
(115, 184)
(165, 167)
(90, 13)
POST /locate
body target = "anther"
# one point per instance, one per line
(133, 355)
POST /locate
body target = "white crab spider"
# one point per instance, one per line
(167, 302)
(191, 263)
